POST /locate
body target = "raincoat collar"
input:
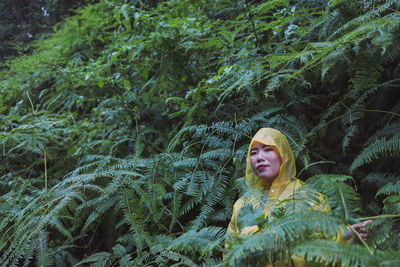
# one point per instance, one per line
(272, 137)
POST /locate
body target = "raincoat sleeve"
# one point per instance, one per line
(233, 229)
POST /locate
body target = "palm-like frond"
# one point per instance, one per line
(332, 252)
(202, 241)
(341, 197)
(376, 150)
(389, 189)
(380, 179)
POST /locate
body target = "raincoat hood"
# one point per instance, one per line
(272, 137)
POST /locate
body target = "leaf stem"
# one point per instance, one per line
(251, 22)
(45, 174)
(30, 100)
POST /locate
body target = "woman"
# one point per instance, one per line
(270, 174)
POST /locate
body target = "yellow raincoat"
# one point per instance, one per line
(283, 187)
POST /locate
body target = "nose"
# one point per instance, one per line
(260, 157)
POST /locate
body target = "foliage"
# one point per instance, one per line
(23, 21)
(124, 132)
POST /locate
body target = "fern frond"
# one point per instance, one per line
(99, 258)
(175, 140)
(214, 195)
(176, 208)
(389, 130)
(223, 127)
(194, 185)
(125, 258)
(200, 241)
(57, 224)
(364, 19)
(341, 197)
(211, 262)
(214, 142)
(273, 242)
(235, 77)
(360, 96)
(354, 113)
(246, 128)
(350, 132)
(299, 224)
(102, 206)
(377, 149)
(240, 155)
(220, 154)
(380, 179)
(389, 189)
(186, 163)
(132, 216)
(333, 252)
(151, 195)
(381, 233)
(265, 243)
(42, 249)
(389, 258)
(262, 116)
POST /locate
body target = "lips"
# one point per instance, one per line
(262, 167)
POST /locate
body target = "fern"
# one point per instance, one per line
(389, 130)
(120, 251)
(99, 259)
(213, 197)
(274, 242)
(389, 189)
(332, 252)
(146, 110)
(377, 149)
(351, 131)
(201, 241)
(342, 198)
(380, 179)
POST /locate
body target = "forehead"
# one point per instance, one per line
(257, 145)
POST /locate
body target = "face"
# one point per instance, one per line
(265, 161)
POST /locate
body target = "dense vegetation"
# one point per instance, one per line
(22, 21)
(123, 133)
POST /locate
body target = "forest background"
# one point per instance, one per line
(124, 127)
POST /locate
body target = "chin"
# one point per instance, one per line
(267, 178)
